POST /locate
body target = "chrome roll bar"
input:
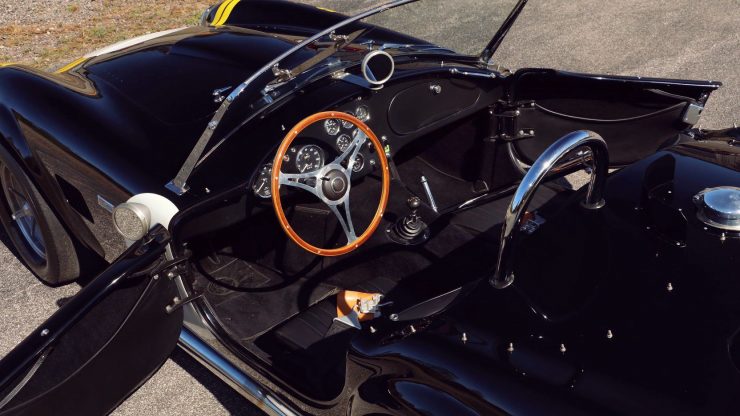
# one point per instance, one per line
(551, 159)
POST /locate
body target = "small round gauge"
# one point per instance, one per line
(348, 124)
(332, 126)
(363, 113)
(343, 142)
(261, 185)
(359, 163)
(309, 158)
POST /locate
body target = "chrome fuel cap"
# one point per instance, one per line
(719, 207)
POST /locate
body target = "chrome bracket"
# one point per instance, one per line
(178, 303)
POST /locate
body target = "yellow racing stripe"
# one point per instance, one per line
(220, 11)
(70, 65)
(325, 9)
(225, 13)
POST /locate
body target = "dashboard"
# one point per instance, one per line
(320, 144)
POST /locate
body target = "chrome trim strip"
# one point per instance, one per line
(550, 160)
(245, 385)
(105, 204)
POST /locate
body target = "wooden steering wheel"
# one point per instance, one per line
(331, 183)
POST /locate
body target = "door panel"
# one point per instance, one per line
(100, 346)
(636, 116)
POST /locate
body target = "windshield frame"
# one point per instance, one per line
(178, 185)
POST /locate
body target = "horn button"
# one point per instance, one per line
(334, 185)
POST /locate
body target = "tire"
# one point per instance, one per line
(34, 230)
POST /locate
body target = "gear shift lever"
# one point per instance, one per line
(410, 230)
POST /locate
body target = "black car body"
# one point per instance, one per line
(504, 290)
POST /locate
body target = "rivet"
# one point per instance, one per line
(464, 338)
(212, 125)
(394, 317)
(562, 348)
(669, 287)
(609, 334)
(511, 347)
(171, 275)
(521, 132)
(155, 277)
(44, 332)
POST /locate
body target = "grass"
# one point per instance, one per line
(53, 44)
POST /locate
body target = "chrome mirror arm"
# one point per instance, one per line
(550, 159)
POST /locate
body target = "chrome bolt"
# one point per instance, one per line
(413, 330)
(464, 338)
(208, 191)
(212, 125)
(394, 317)
(171, 275)
(155, 277)
(44, 332)
(562, 348)
(372, 329)
(609, 334)
(511, 347)
(722, 237)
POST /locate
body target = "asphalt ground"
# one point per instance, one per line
(682, 39)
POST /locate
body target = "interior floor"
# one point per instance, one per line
(286, 317)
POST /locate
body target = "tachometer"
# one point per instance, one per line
(309, 158)
(332, 126)
(261, 185)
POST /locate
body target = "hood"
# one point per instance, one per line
(173, 77)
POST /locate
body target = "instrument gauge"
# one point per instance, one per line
(362, 113)
(261, 186)
(348, 124)
(359, 163)
(309, 158)
(343, 142)
(332, 126)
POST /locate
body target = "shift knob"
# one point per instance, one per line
(414, 203)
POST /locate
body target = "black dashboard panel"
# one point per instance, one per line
(429, 102)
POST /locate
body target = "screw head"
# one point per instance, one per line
(609, 334)
(44, 332)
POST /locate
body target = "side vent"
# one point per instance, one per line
(74, 198)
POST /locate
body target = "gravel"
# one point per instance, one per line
(665, 38)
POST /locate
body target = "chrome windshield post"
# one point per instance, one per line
(596, 155)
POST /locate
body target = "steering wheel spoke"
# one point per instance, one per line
(345, 220)
(299, 180)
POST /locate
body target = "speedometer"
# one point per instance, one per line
(309, 158)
